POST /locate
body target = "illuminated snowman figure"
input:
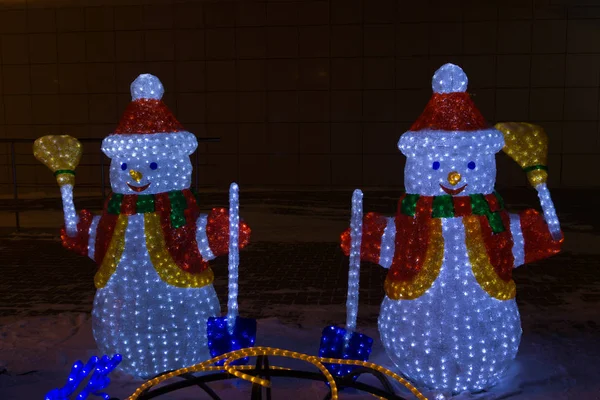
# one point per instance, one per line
(449, 320)
(154, 285)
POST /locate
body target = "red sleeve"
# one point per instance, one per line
(538, 241)
(79, 243)
(373, 226)
(217, 232)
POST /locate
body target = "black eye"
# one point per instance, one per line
(436, 165)
(153, 165)
(124, 166)
(471, 165)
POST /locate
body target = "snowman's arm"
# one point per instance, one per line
(83, 242)
(212, 233)
(378, 239)
(532, 240)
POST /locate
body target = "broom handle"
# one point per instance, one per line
(234, 257)
(549, 211)
(66, 192)
(356, 222)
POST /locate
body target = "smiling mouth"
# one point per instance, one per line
(453, 192)
(138, 188)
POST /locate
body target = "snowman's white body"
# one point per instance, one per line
(156, 327)
(455, 336)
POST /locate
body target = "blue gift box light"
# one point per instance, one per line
(334, 344)
(220, 341)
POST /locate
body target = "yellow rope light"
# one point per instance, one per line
(236, 370)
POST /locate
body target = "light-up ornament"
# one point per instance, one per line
(62, 155)
(152, 244)
(337, 342)
(99, 380)
(449, 320)
(231, 333)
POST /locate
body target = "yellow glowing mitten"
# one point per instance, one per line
(527, 144)
(61, 154)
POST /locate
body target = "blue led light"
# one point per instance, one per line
(335, 344)
(79, 372)
(436, 165)
(220, 341)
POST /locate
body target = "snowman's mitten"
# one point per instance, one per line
(538, 242)
(373, 227)
(79, 243)
(217, 232)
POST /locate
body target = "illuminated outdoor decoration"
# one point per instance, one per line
(449, 319)
(99, 368)
(228, 362)
(151, 242)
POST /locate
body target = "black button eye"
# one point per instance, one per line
(153, 165)
(124, 166)
(436, 165)
(471, 165)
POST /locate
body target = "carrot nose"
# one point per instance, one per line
(136, 175)
(454, 177)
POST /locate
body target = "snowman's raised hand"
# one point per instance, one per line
(79, 243)
(217, 232)
(377, 241)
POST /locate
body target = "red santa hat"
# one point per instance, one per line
(450, 120)
(148, 127)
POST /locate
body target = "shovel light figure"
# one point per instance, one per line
(337, 342)
(232, 332)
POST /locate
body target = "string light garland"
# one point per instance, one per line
(236, 370)
(449, 320)
(152, 243)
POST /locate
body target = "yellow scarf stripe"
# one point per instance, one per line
(113, 254)
(409, 290)
(164, 264)
(482, 268)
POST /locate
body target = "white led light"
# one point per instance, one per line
(146, 86)
(71, 219)
(406, 330)
(140, 316)
(234, 258)
(549, 211)
(518, 248)
(388, 244)
(354, 268)
(156, 325)
(92, 241)
(202, 239)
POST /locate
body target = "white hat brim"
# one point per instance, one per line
(156, 144)
(483, 141)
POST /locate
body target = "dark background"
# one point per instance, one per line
(302, 93)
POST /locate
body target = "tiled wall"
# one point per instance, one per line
(301, 93)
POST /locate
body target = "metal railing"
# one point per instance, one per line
(103, 162)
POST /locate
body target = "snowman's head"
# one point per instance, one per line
(150, 172)
(150, 150)
(450, 149)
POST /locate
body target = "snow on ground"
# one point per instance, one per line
(37, 353)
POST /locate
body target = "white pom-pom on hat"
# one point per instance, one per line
(147, 86)
(449, 78)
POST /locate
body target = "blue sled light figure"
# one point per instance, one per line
(79, 372)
